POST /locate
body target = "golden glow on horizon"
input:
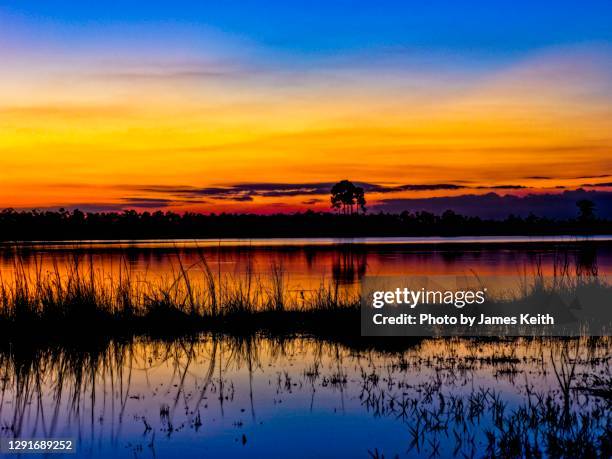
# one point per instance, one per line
(77, 134)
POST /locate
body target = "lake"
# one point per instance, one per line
(212, 395)
(309, 263)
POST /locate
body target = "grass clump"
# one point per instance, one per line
(79, 297)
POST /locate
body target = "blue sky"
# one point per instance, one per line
(480, 27)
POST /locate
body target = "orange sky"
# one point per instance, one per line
(93, 127)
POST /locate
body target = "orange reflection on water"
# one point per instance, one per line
(302, 266)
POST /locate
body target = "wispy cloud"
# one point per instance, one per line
(501, 187)
(245, 192)
(603, 184)
(548, 177)
(310, 202)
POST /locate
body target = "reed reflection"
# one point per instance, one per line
(237, 394)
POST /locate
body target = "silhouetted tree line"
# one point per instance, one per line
(65, 225)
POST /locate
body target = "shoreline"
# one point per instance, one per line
(372, 241)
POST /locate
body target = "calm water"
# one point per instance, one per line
(298, 397)
(228, 397)
(307, 263)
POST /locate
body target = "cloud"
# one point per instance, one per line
(136, 202)
(66, 110)
(546, 177)
(501, 187)
(310, 202)
(222, 68)
(144, 202)
(170, 75)
(594, 176)
(244, 192)
(288, 189)
(241, 198)
(606, 184)
(410, 187)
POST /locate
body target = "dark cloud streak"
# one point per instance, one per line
(606, 184)
(244, 192)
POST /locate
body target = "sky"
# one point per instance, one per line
(261, 106)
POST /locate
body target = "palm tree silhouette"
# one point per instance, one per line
(345, 196)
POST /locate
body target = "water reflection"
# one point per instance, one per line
(348, 266)
(306, 266)
(229, 396)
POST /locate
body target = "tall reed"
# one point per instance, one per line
(81, 292)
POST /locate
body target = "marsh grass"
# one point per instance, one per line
(80, 297)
